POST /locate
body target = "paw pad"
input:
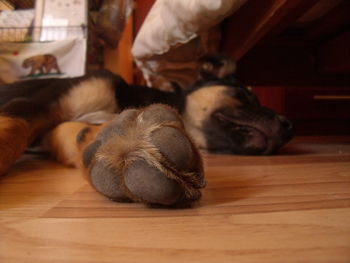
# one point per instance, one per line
(146, 156)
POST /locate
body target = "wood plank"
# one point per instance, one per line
(293, 207)
(334, 22)
(312, 236)
(334, 55)
(247, 189)
(119, 60)
(35, 185)
(245, 28)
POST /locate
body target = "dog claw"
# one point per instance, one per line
(146, 156)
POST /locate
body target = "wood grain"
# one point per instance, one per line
(265, 17)
(292, 207)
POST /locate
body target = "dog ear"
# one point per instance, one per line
(216, 66)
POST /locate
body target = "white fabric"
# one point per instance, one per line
(171, 24)
(70, 55)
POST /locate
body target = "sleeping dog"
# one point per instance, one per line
(225, 117)
(130, 141)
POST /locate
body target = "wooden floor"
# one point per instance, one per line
(294, 207)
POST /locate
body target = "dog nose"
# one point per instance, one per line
(285, 123)
(287, 128)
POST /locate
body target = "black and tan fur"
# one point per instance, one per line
(126, 158)
(132, 148)
(141, 155)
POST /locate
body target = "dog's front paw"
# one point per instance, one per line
(146, 156)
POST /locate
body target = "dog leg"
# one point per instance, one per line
(66, 141)
(22, 121)
(141, 156)
(13, 140)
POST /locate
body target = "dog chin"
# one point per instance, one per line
(255, 141)
(247, 141)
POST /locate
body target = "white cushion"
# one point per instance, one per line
(172, 23)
